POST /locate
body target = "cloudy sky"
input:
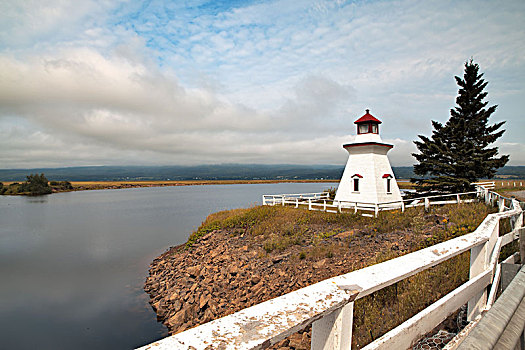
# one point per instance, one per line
(203, 82)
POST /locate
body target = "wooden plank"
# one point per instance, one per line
(494, 288)
(403, 336)
(263, 324)
(493, 324)
(508, 238)
(334, 331)
(522, 244)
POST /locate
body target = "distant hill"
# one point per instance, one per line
(210, 172)
(200, 172)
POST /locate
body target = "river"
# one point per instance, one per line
(72, 265)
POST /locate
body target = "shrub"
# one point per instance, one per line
(35, 185)
(61, 185)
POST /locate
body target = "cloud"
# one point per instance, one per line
(79, 107)
(273, 82)
(515, 150)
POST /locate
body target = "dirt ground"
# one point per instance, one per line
(520, 195)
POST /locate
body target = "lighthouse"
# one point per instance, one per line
(368, 176)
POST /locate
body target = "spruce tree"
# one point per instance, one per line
(459, 152)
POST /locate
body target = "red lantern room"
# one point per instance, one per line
(367, 124)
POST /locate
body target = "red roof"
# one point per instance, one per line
(367, 118)
(386, 176)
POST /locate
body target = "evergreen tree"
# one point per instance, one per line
(458, 152)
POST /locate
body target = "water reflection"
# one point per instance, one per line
(72, 264)
(37, 199)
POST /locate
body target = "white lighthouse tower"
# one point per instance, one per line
(368, 177)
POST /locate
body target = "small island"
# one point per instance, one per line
(35, 185)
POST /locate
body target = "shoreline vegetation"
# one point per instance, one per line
(505, 187)
(16, 188)
(241, 257)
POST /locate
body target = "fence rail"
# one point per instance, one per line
(502, 326)
(321, 202)
(328, 305)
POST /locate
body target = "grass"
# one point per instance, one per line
(376, 314)
(312, 236)
(395, 304)
(280, 227)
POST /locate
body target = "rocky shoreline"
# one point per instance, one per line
(226, 271)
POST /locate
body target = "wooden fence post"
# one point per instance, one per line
(427, 204)
(309, 204)
(479, 261)
(334, 331)
(501, 204)
(402, 206)
(522, 245)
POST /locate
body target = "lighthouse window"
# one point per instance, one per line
(374, 128)
(356, 184)
(363, 128)
(388, 189)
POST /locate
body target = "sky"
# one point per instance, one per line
(117, 82)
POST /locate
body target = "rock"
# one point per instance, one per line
(177, 320)
(279, 258)
(204, 300)
(174, 296)
(176, 305)
(345, 234)
(207, 236)
(194, 287)
(208, 316)
(234, 270)
(296, 342)
(255, 279)
(223, 274)
(194, 271)
(319, 264)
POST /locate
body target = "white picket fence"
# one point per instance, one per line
(328, 305)
(321, 202)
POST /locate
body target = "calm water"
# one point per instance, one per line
(72, 265)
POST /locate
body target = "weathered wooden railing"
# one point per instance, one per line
(321, 202)
(328, 305)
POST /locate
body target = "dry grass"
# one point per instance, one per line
(376, 314)
(281, 227)
(311, 236)
(102, 185)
